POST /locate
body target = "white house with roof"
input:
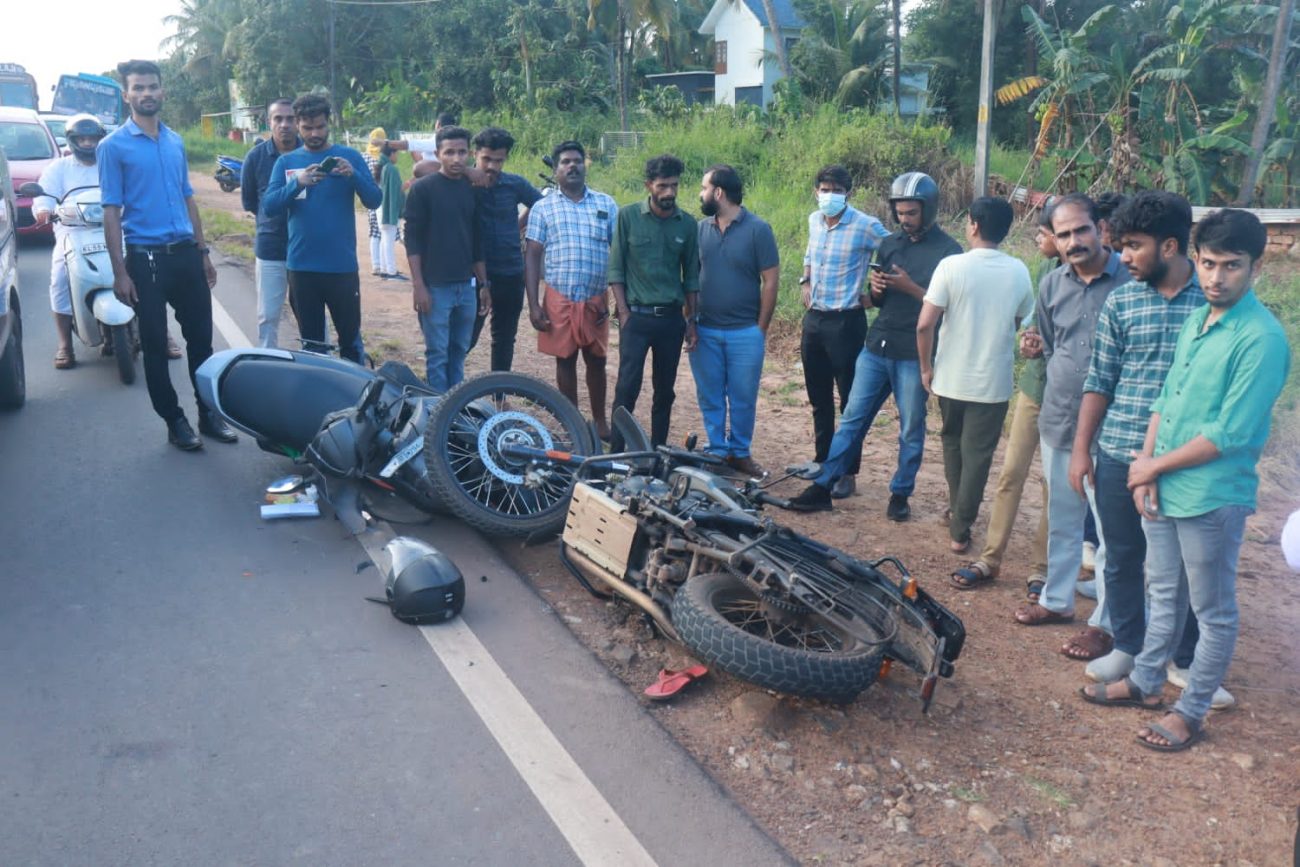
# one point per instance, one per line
(745, 64)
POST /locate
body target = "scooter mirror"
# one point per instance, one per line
(548, 162)
(31, 189)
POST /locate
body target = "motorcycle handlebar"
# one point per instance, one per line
(765, 497)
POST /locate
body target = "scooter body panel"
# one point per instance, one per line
(108, 310)
(90, 274)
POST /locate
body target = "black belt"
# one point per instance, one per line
(656, 310)
(835, 312)
(162, 249)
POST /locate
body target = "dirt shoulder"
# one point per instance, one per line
(1010, 766)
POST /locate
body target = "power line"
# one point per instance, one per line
(382, 2)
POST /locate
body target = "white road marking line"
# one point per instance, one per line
(230, 330)
(580, 812)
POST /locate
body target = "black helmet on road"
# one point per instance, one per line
(423, 585)
(83, 126)
(916, 187)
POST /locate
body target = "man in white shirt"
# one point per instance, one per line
(982, 295)
(59, 178)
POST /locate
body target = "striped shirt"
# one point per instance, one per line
(576, 236)
(1132, 349)
(837, 257)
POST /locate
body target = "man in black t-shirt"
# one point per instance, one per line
(444, 248)
(889, 363)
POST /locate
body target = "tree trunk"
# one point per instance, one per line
(774, 24)
(1031, 68)
(898, 57)
(1268, 103)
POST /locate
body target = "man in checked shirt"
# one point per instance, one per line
(566, 256)
(841, 240)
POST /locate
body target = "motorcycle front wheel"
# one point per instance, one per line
(493, 493)
(123, 352)
(724, 622)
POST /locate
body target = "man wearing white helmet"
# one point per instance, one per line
(75, 170)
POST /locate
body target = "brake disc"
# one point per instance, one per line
(510, 428)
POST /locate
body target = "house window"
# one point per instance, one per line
(720, 58)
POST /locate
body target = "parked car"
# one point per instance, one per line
(56, 124)
(30, 148)
(13, 381)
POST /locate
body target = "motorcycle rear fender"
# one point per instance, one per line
(109, 310)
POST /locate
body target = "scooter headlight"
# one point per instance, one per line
(92, 213)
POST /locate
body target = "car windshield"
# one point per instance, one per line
(25, 141)
(56, 127)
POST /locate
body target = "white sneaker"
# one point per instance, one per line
(1089, 558)
(1109, 668)
(1087, 589)
(1178, 677)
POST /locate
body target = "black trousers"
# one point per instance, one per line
(645, 334)
(829, 350)
(507, 304)
(311, 292)
(177, 279)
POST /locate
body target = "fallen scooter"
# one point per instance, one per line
(370, 435)
(98, 317)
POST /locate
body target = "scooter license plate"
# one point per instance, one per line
(87, 249)
(409, 451)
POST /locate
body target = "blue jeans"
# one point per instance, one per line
(1065, 514)
(272, 286)
(727, 364)
(1192, 559)
(874, 379)
(448, 327)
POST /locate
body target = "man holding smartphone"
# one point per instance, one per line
(314, 185)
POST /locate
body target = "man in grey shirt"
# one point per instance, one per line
(1069, 303)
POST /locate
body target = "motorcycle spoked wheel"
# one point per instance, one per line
(480, 485)
(123, 352)
(725, 623)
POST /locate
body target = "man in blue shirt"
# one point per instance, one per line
(272, 232)
(841, 240)
(315, 186)
(504, 224)
(149, 211)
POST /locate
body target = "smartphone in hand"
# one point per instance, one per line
(328, 165)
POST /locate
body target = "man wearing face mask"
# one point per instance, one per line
(841, 240)
(889, 364)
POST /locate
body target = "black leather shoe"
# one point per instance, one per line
(181, 435)
(813, 498)
(898, 508)
(211, 425)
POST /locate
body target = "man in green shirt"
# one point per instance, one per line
(654, 271)
(1195, 481)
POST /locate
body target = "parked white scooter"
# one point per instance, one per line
(98, 317)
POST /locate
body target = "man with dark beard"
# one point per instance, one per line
(654, 273)
(1132, 351)
(149, 211)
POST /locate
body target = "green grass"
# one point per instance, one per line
(228, 233)
(201, 150)
(970, 796)
(1052, 793)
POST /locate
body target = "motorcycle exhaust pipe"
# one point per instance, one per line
(594, 572)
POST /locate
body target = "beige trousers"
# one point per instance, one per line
(1021, 447)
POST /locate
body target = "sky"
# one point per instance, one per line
(54, 37)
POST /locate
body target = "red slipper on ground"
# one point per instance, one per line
(671, 682)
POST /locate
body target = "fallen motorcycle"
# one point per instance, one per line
(669, 532)
(372, 435)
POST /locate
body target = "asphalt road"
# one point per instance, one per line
(183, 683)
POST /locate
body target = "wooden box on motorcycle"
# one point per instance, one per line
(748, 596)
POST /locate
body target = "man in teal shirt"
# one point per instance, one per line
(1195, 480)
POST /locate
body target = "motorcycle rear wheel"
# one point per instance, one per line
(123, 353)
(726, 624)
(475, 481)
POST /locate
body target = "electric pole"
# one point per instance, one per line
(986, 99)
(334, 106)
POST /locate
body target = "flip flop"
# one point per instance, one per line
(1135, 698)
(1091, 643)
(671, 682)
(1176, 744)
(64, 360)
(971, 576)
(1034, 614)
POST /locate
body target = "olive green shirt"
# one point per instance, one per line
(657, 260)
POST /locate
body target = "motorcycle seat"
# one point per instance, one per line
(286, 403)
